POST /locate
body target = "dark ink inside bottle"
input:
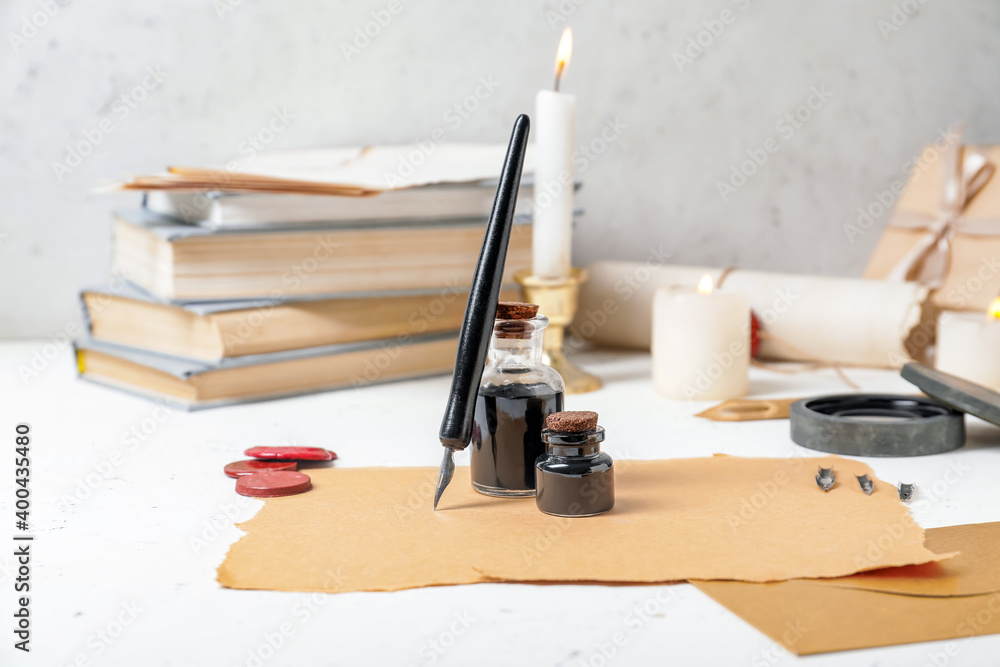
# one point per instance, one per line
(508, 437)
(517, 393)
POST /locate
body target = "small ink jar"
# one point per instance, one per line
(574, 477)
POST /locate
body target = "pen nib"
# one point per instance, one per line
(444, 477)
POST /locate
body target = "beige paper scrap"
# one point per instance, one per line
(745, 409)
(750, 519)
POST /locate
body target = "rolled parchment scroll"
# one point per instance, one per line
(820, 319)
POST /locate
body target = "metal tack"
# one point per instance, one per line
(825, 478)
(867, 485)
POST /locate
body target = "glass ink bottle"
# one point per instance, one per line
(575, 478)
(516, 394)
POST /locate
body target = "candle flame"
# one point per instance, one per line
(563, 54)
(706, 284)
(994, 309)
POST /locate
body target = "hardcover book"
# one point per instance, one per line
(190, 263)
(215, 330)
(192, 384)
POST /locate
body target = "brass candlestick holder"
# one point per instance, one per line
(557, 299)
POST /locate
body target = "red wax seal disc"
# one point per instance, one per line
(272, 483)
(754, 335)
(240, 468)
(291, 453)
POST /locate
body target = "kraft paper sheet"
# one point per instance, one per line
(750, 519)
(958, 597)
(975, 571)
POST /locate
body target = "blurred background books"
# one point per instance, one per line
(322, 269)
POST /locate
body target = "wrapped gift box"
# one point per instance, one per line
(944, 230)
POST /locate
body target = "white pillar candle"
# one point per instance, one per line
(968, 345)
(554, 130)
(701, 344)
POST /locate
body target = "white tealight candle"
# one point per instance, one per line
(701, 343)
(554, 123)
(968, 345)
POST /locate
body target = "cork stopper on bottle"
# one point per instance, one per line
(514, 310)
(572, 422)
(510, 312)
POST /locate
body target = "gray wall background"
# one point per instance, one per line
(899, 72)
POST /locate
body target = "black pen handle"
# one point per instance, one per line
(477, 327)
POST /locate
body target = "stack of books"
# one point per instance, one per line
(299, 272)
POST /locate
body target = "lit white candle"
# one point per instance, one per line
(968, 345)
(701, 343)
(554, 130)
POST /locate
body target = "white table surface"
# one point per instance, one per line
(119, 577)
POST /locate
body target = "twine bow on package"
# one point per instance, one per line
(945, 228)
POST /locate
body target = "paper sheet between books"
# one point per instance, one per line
(356, 171)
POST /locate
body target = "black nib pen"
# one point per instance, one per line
(473, 342)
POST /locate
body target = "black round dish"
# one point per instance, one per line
(877, 425)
